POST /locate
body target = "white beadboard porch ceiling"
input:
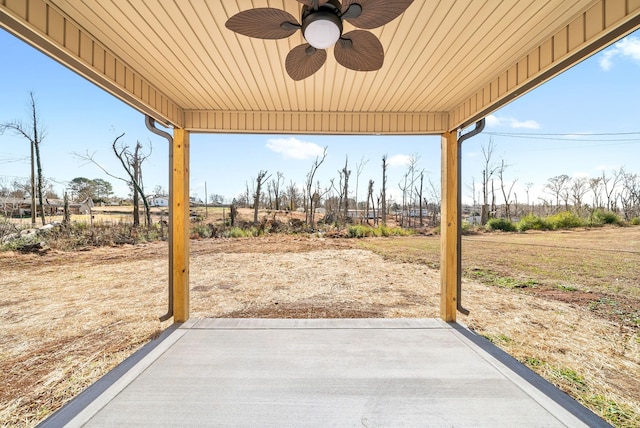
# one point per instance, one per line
(447, 62)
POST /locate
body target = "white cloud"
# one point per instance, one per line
(493, 121)
(292, 148)
(399, 160)
(629, 47)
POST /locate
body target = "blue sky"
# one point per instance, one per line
(599, 96)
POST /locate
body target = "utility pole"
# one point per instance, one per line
(206, 198)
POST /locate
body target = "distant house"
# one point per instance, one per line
(159, 201)
(83, 207)
(20, 207)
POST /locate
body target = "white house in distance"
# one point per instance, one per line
(159, 201)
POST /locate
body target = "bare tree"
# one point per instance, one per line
(487, 175)
(260, 180)
(344, 197)
(579, 187)
(359, 168)
(34, 133)
(435, 196)
(506, 193)
(131, 162)
(383, 208)
(595, 185)
(527, 189)
(630, 196)
(610, 185)
(276, 185)
(313, 197)
(407, 187)
(472, 188)
(293, 195)
(419, 193)
(370, 199)
(557, 187)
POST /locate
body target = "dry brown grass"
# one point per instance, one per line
(67, 318)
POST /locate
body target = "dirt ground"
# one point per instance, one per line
(68, 318)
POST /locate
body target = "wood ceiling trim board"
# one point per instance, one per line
(169, 16)
(245, 89)
(316, 122)
(598, 40)
(18, 7)
(480, 57)
(172, 90)
(474, 73)
(474, 70)
(433, 41)
(396, 36)
(400, 39)
(471, 20)
(371, 79)
(192, 29)
(37, 13)
(91, 15)
(68, 52)
(553, 16)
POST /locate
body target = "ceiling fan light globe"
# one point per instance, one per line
(322, 29)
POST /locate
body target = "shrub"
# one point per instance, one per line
(606, 217)
(635, 221)
(238, 232)
(364, 231)
(501, 224)
(533, 222)
(565, 220)
(200, 230)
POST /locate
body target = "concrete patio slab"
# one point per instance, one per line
(322, 372)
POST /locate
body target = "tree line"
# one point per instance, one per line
(616, 191)
(339, 198)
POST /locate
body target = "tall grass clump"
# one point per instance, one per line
(239, 232)
(533, 222)
(364, 231)
(501, 224)
(565, 220)
(605, 217)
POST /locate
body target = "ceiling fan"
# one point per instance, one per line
(322, 27)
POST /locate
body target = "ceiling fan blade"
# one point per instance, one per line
(310, 3)
(359, 50)
(263, 23)
(375, 13)
(304, 60)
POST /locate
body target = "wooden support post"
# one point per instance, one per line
(450, 254)
(179, 224)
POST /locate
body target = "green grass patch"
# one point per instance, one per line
(533, 361)
(619, 415)
(238, 232)
(493, 278)
(569, 377)
(364, 231)
(567, 287)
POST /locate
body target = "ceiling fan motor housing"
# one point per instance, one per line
(323, 27)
